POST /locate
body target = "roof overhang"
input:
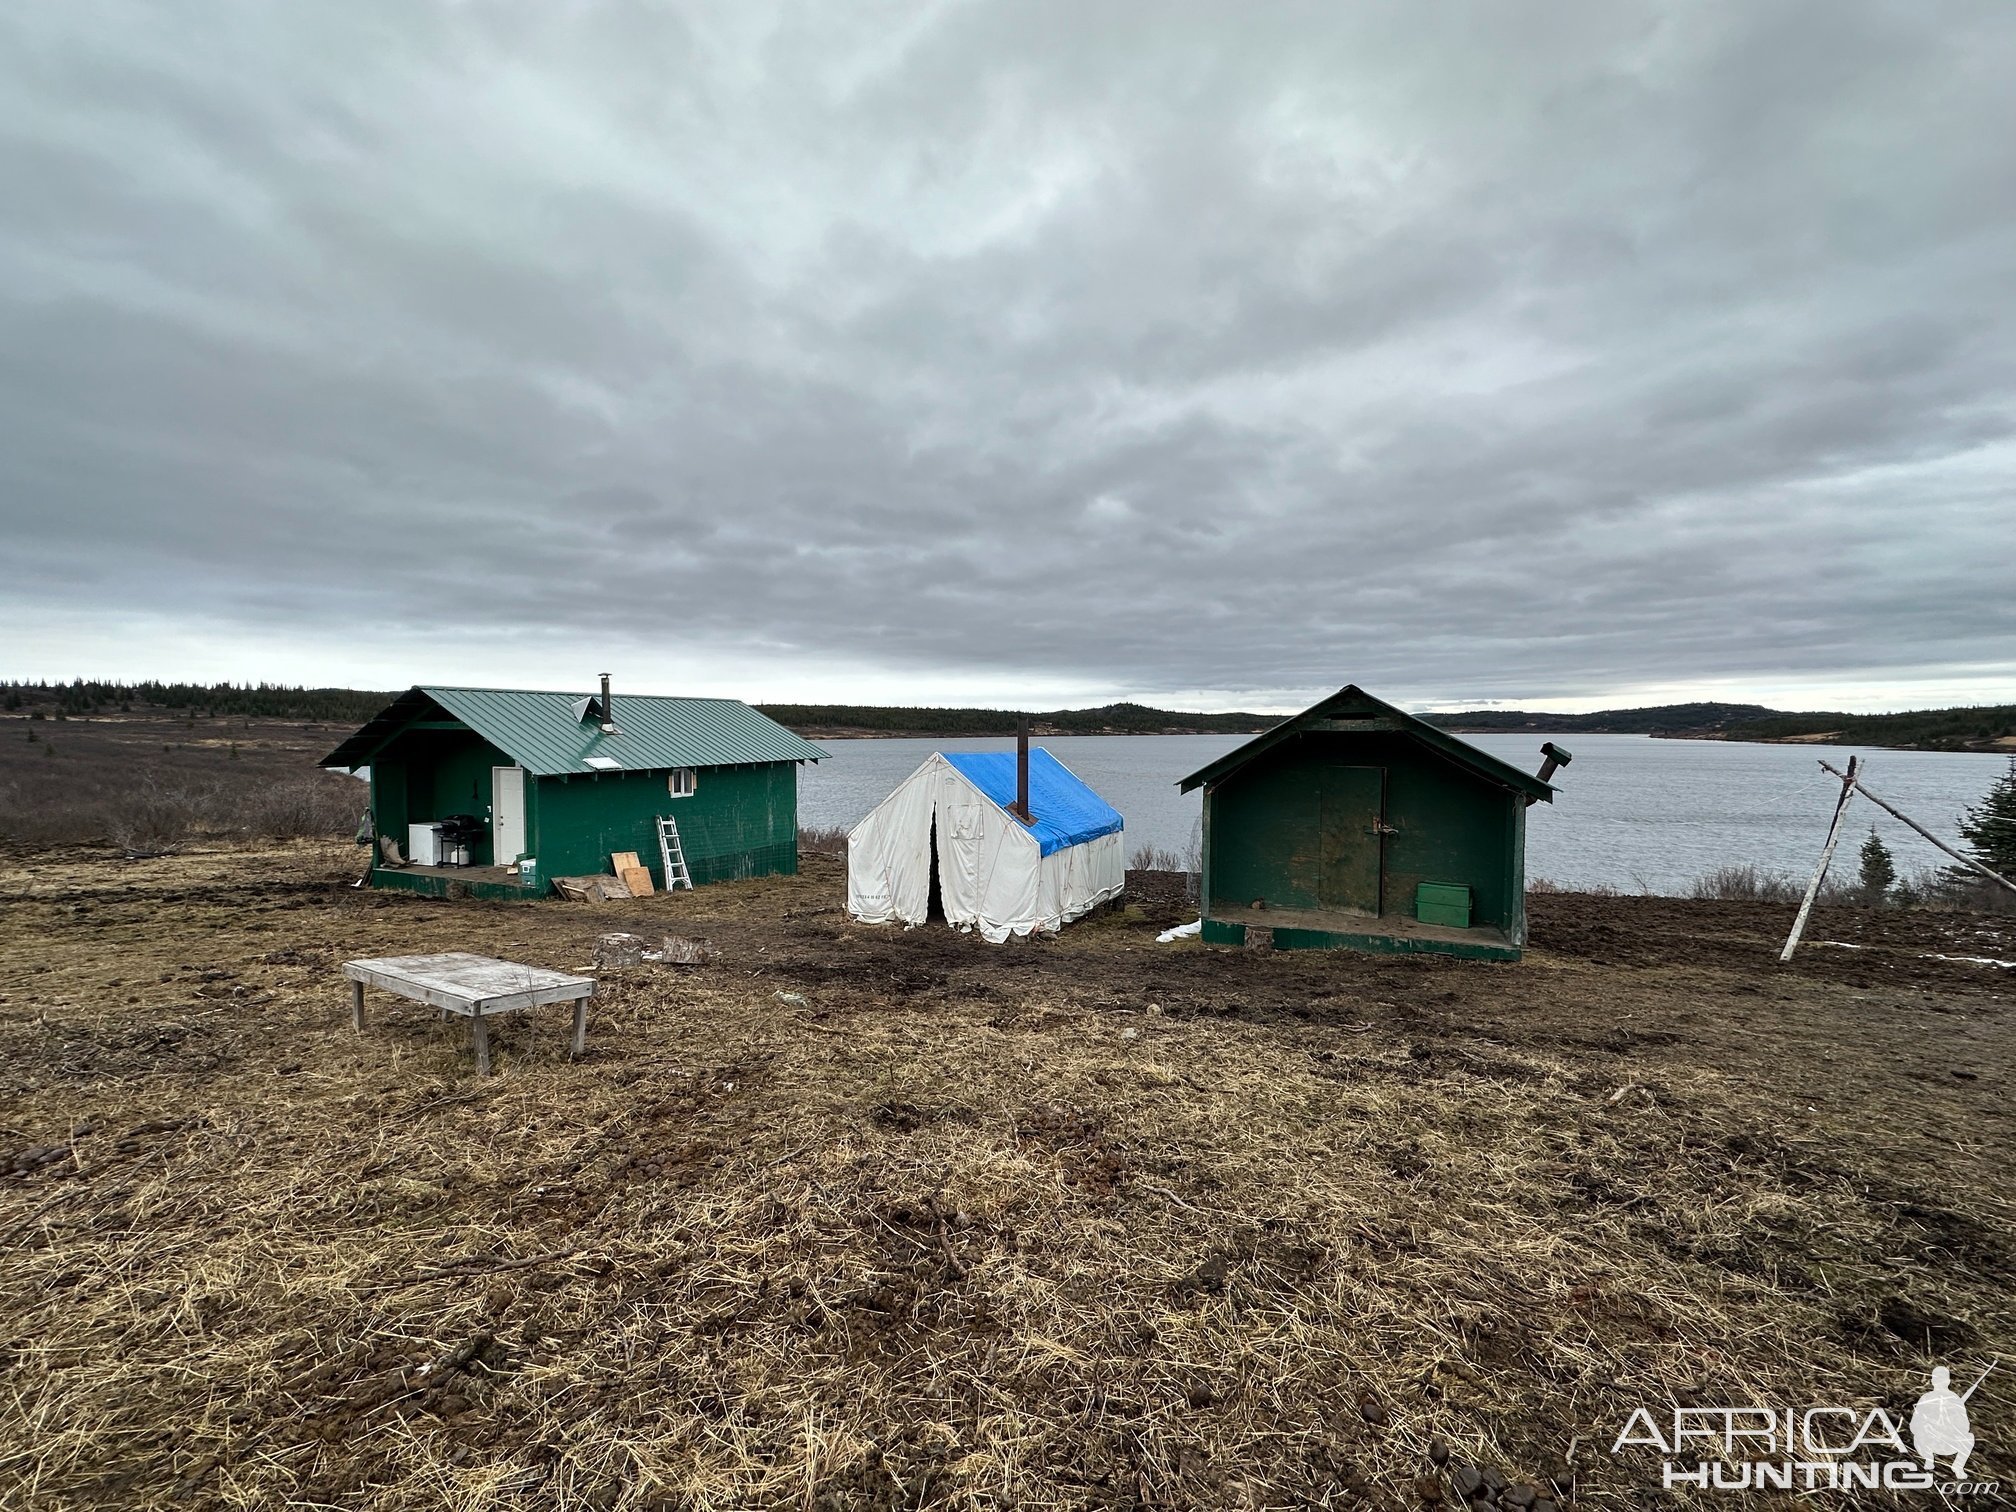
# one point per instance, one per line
(358, 750)
(1351, 710)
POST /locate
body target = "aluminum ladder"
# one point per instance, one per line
(673, 856)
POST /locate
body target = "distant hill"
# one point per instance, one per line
(1987, 728)
(354, 706)
(1694, 720)
(842, 720)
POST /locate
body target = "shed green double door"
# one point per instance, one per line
(1351, 833)
(1303, 834)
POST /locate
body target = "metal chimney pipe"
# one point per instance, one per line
(1022, 769)
(608, 710)
(1556, 759)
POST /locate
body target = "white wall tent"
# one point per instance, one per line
(993, 873)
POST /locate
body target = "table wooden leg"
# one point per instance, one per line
(580, 1027)
(357, 1005)
(482, 1045)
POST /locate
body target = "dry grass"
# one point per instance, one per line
(1950, 888)
(822, 840)
(1086, 1223)
(149, 782)
(1749, 883)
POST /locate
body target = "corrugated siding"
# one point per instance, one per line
(739, 822)
(541, 733)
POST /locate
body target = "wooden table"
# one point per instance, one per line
(474, 986)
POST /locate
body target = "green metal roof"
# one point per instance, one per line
(1352, 706)
(546, 733)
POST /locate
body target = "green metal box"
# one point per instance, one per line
(1443, 903)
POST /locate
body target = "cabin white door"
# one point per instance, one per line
(507, 814)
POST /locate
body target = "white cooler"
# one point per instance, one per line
(423, 844)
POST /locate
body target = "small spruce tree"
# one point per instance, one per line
(1989, 828)
(1879, 871)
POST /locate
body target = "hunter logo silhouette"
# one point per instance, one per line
(1939, 1422)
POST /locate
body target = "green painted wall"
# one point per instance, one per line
(1264, 834)
(1288, 826)
(388, 799)
(740, 821)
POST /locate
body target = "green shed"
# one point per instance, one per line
(566, 779)
(1355, 825)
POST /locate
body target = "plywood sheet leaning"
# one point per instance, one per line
(636, 876)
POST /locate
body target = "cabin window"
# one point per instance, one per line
(681, 783)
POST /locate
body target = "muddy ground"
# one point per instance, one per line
(854, 1217)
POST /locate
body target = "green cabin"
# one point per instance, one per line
(466, 783)
(1355, 825)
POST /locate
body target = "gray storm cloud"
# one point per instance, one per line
(1471, 351)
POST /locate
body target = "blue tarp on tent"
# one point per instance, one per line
(1067, 812)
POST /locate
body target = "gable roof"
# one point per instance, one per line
(1352, 705)
(1067, 811)
(558, 734)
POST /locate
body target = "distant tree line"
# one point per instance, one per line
(194, 700)
(1112, 719)
(354, 706)
(1925, 729)
(1662, 719)
(1921, 729)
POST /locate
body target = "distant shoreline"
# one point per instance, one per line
(1036, 732)
(2005, 745)
(1989, 729)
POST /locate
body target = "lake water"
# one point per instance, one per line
(1631, 812)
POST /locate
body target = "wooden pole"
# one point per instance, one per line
(1849, 778)
(1826, 859)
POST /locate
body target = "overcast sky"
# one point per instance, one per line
(1212, 355)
